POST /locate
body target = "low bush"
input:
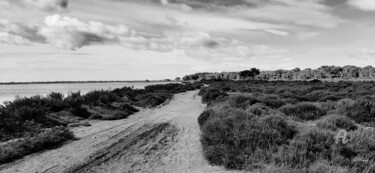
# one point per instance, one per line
(45, 140)
(258, 109)
(303, 111)
(204, 116)
(307, 147)
(336, 122)
(242, 101)
(362, 111)
(210, 95)
(152, 99)
(239, 140)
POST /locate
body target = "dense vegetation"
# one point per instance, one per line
(285, 126)
(324, 72)
(32, 124)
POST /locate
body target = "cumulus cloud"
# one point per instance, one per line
(366, 5)
(45, 5)
(70, 33)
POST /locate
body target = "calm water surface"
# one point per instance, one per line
(9, 92)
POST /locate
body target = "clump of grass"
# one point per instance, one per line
(336, 122)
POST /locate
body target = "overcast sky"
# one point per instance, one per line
(48, 40)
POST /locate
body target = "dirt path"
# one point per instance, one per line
(164, 139)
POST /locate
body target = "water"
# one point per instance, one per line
(9, 92)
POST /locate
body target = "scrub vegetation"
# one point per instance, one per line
(289, 126)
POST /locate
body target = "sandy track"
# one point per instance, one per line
(164, 139)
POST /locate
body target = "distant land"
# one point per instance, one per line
(70, 82)
(326, 73)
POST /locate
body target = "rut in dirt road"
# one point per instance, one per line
(145, 145)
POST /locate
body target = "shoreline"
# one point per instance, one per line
(84, 82)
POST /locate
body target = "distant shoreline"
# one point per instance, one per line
(79, 82)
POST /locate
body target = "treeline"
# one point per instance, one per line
(31, 124)
(325, 72)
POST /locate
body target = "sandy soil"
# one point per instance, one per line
(164, 139)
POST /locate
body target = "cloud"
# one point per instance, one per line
(230, 51)
(277, 32)
(13, 39)
(296, 12)
(45, 5)
(308, 35)
(70, 33)
(366, 5)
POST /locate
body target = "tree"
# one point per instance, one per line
(250, 73)
(177, 79)
(186, 78)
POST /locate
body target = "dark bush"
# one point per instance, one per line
(204, 116)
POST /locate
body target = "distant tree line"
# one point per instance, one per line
(324, 72)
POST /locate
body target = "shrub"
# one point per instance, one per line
(307, 146)
(152, 99)
(209, 95)
(336, 122)
(96, 98)
(362, 111)
(242, 101)
(303, 111)
(239, 140)
(204, 116)
(258, 109)
(47, 139)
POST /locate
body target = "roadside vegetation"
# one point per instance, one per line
(285, 126)
(32, 124)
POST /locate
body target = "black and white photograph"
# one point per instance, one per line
(187, 86)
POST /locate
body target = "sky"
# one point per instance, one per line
(60, 40)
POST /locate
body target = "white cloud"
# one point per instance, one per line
(366, 5)
(277, 32)
(13, 39)
(70, 33)
(307, 35)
